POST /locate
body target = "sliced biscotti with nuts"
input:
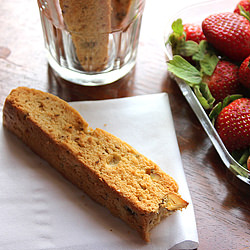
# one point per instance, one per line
(89, 23)
(120, 10)
(108, 169)
(91, 51)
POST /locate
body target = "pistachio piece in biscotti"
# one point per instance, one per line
(174, 201)
(89, 23)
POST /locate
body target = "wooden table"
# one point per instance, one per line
(222, 210)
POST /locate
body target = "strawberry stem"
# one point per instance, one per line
(241, 156)
(221, 105)
(244, 157)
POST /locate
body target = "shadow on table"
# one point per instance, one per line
(75, 92)
(235, 187)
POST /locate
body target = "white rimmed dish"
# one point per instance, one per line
(195, 14)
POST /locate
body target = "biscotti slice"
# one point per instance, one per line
(120, 10)
(109, 170)
(89, 23)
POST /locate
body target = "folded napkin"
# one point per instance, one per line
(39, 209)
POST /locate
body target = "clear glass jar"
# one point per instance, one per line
(91, 42)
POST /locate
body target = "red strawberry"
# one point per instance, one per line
(229, 33)
(233, 124)
(248, 163)
(193, 32)
(224, 80)
(244, 73)
(245, 4)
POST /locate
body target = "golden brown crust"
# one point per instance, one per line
(109, 170)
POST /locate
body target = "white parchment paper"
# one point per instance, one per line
(39, 209)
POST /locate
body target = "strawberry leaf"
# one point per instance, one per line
(215, 112)
(204, 95)
(201, 51)
(177, 27)
(189, 48)
(230, 99)
(207, 58)
(208, 64)
(184, 70)
(177, 37)
(220, 105)
(244, 13)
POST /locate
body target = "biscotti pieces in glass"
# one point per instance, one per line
(89, 23)
(108, 169)
(91, 42)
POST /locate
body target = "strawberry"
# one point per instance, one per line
(224, 81)
(193, 32)
(185, 38)
(229, 33)
(243, 3)
(233, 124)
(248, 163)
(244, 73)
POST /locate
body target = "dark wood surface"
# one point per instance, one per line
(222, 210)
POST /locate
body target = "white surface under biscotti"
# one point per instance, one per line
(39, 209)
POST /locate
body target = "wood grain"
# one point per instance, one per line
(222, 210)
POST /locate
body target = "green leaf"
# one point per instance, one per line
(207, 94)
(221, 105)
(189, 48)
(184, 70)
(244, 13)
(177, 27)
(206, 57)
(177, 37)
(208, 64)
(215, 112)
(204, 95)
(201, 98)
(230, 99)
(201, 51)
